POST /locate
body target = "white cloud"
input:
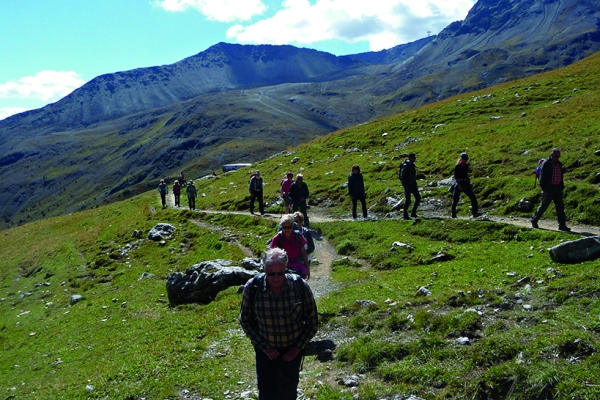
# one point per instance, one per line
(47, 86)
(217, 10)
(6, 112)
(381, 23)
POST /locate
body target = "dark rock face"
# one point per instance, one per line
(202, 282)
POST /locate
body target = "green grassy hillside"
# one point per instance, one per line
(533, 325)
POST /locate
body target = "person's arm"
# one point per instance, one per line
(306, 262)
(247, 318)
(310, 317)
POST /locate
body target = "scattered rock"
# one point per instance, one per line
(423, 291)
(525, 206)
(463, 341)
(401, 245)
(576, 251)
(136, 234)
(366, 303)
(350, 381)
(202, 282)
(161, 232)
(441, 256)
(75, 299)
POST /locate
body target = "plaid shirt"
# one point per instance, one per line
(290, 320)
(556, 174)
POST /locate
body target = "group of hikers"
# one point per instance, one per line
(179, 185)
(278, 311)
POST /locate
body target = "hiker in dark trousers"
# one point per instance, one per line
(408, 177)
(279, 316)
(286, 185)
(463, 184)
(163, 189)
(552, 184)
(255, 187)
(192, 193)
(356, 190)
(299, 194)
(177, 193)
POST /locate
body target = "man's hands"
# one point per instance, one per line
(289, 355)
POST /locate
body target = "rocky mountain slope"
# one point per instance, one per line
(120, 132)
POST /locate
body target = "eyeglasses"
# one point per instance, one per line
(286, 227)
(275, 273)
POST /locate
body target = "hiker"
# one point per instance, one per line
(463, 184)
(192, 193)
(279, 315)
(177, 193)
(552, 184)
(356, 190)
(299, 194)
(408, 177)
(163, 189)
(255, 187)
(181, 179)
(310, 243)
(294, 244)
(286, 185)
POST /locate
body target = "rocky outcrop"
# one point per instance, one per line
(202, 282)
(576, 251)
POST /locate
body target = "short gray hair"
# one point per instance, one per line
(275, 256)
(287, 218)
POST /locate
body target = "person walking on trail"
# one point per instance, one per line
(255, 187)
(177, 193)
(299, 193)
(286, 185)
(279, 315)
(463, 184)
(310, 243)
(181, 178)
(408, 177)
(163, 189)
(192, 193)
(356, 190)
(552, 184)
(294, 245)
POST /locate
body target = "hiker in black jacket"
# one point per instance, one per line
(299, 194)
(463, 184)
(552, 184)
(408, 177)
(356, 190)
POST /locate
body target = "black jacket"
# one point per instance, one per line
(356, 185)
(408, 173)
(298, 191)
(546, 174)
(461, 173)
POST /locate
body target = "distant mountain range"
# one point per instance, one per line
(119, 133)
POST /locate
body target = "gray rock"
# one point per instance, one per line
(597, 152)
(423, 291)
(136, 234)
(161, 232)
(576, 251)
(596, 178)
(75, 299)
(202, 282)
(525, 205)
(402, 245)
(349, 381)
(463, 341)
(366, 303)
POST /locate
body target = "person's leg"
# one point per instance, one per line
(455, 199)
(193, 203)
(261, 205)
(354, 203)
(473, 198)
(252, 197)
(407, 201)
(289, 376)
(266, 370)
(163, 198)
(546, 200)
(559, 205)
(363, 203)
(415, 192)
(303, 211)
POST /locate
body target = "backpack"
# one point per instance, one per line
(538, 171)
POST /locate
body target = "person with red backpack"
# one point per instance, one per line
(552, 184)
(286, 185)
(294, 244)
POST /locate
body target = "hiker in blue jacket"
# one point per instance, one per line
(163, 189)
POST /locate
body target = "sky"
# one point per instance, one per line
(48, 48)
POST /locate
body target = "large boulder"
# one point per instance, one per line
(160, 232)
(202, 282)
(576, 251)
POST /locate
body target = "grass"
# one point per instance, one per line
(533, 325)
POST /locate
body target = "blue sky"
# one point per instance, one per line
(48, 48)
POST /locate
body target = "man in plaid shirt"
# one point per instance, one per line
(279, 316)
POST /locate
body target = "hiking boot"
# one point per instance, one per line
(413, 215)
(534, 224)
(477, 214)
(453, 215)
(406, 217)
(564, 228)
(366, 219)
